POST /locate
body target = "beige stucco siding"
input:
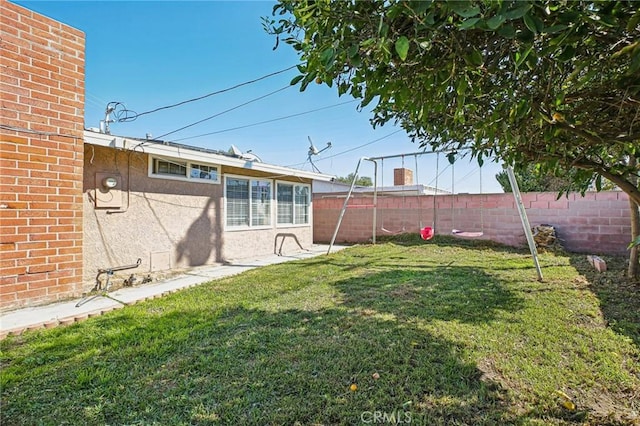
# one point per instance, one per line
(168, 222)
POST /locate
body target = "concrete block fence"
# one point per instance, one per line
(596, 223)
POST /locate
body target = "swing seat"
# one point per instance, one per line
(459, 233)
(427, 233)
(402, 231)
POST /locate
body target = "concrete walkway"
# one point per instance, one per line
(64, 313)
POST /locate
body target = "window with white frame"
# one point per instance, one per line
(184, 170)
(203, 171)
(293, 204)
(169, 167)
(248, 202)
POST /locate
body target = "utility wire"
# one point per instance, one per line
(94, 100)
(360, 146)
(224, 112)
(214, 93)
(463, 178)
(438, 176)
(37, 132)
(266, 121)
(351, 149)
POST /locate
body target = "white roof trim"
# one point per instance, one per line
(185, 153)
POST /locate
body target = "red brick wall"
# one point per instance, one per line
(595, 223)
(41, 158)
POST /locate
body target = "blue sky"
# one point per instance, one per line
(149, 54)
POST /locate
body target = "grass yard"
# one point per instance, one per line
(438, 333)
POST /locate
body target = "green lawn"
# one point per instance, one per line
(429, 333)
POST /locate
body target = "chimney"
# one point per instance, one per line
(402, 177)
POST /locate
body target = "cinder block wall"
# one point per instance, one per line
(41, 158)
(596, 223)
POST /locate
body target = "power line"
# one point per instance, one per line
(438, 176)
(212, 93)
(463, 178)
(37, 132)
(96, 101)
(266, 121)
(361, 146)
(224, 112)
(351, 149)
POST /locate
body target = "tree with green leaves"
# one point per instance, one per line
(555, 84)
(530, 179)
(361, 181)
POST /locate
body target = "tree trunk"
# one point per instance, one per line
(634, 261)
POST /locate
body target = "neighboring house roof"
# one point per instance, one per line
(193, 153)
(335, 186)
(398, 190)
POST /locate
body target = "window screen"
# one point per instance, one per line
(260, 203)
(301, 205)
(285, 204)
(293, 204)
(237, 202)
(201, 171)
(165, 167)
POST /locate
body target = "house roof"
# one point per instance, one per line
(193, 153)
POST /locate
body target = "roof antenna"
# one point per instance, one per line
(314, 151)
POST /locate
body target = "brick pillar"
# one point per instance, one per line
(402, 177)
(41, 158)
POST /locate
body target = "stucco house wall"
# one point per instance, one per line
(169, 224)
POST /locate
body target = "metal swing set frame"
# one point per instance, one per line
(428, 232)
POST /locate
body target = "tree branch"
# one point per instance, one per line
(623, 184)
